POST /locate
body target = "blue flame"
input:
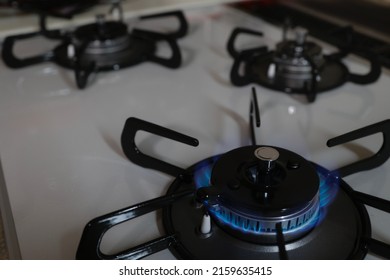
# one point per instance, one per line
(202, 173)
(257, 227)
(329, 186)
(328, 189)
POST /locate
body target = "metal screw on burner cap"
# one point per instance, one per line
(300, 35)
(267, 154)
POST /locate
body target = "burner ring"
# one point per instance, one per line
(139, 50)
(108, 46)
(262, 229)
(259, 187)
(331, 75)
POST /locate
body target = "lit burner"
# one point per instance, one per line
(293, 225)
(254, 202)
(252, 189)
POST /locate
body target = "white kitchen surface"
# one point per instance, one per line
(60, 146)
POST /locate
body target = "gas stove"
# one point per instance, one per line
(63, 162)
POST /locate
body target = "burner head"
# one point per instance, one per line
(257, 187)
(295, 66)
(294, 62)
(107, 45)
(102, 37)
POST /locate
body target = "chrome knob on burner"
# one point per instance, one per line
(268, 155)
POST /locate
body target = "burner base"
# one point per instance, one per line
(332, 74)
(138, 51)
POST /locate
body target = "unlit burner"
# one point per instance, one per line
(295, 66)
(104, 45)
(253, 189)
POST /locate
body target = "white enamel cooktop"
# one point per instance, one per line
(60, 146)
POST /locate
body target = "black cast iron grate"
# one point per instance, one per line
(101, 46)
(296, 66)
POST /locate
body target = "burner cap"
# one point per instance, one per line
(255, 188)
(267, 154)
(295, 60)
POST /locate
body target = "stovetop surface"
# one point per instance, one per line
(60, 146)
